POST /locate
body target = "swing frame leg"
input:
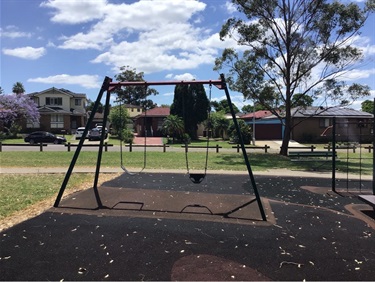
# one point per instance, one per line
(251, 175)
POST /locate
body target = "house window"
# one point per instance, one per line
(362, 123)
(324, 122)
(51, 101)
(30, 124)
(138, 110)
(77, 102)
(57, 121)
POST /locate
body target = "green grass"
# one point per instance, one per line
(18, 192)
(176, 160)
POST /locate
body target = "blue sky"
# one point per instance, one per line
(75, 44)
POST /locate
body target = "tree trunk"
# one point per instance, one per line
(285, 143)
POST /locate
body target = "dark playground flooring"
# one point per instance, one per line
(160, 226)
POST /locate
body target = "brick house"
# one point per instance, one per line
(314, 124)
(61, 111)
(151, 122)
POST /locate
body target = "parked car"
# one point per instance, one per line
(79, 132)
(95, 134)
(44, 137)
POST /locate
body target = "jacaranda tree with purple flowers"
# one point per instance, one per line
(15, 108)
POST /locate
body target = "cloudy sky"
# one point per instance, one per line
(75, 44)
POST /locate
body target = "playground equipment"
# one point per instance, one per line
(109, 86)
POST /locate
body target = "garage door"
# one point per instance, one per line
(268, 131)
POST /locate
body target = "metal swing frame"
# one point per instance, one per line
(109, 86)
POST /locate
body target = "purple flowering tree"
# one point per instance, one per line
(15, 108)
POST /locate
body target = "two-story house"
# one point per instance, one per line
(60, 111)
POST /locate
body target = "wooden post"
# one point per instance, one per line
(68, 146)
(164, 148)
(106, 147)
(130, 147)
(1, 146)
(312, 148)
(265, 148)
(217, 148)
(41, 147)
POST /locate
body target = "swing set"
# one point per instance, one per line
(109, 86)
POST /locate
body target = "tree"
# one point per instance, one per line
(134, 95)
(223, 106)
(250, 108)
(18, 88)
(367, 106)
(290, 46)
(15, 108)
(191, 104)
(219, 123)
(1, 90)
(173, 126)
(119, 118)
(245, 132)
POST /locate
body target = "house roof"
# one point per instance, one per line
(156, 112)
(60, 91)
(329, 112)
(257, 114)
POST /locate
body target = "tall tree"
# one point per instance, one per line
(18, 88)
(134, 95)
(293, 45)
(367, 106)
(190, 103)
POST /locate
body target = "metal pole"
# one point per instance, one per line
(254, 124)
(104, 88)
(243, 149)
(334, 154)
(100, 152)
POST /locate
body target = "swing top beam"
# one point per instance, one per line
(114, 85)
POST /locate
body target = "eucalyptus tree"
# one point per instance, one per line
(294, 46)
(134, 95)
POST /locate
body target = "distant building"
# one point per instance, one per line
(61, 111)
(150, 123)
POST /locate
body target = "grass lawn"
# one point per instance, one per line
(20, 191)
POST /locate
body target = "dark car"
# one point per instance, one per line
(44, 137)
(95, 134)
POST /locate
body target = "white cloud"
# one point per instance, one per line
(230, 7)
(184, 76)
(29, 53)
(73, 12)
(86, 81)
(12, 31)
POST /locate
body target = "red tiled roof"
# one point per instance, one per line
(257, 114)
(157, 112)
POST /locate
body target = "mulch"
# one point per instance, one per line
(160, 226)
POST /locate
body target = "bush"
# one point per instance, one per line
(245, 131)
(126, 136)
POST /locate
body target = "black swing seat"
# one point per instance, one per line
(197, 177)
